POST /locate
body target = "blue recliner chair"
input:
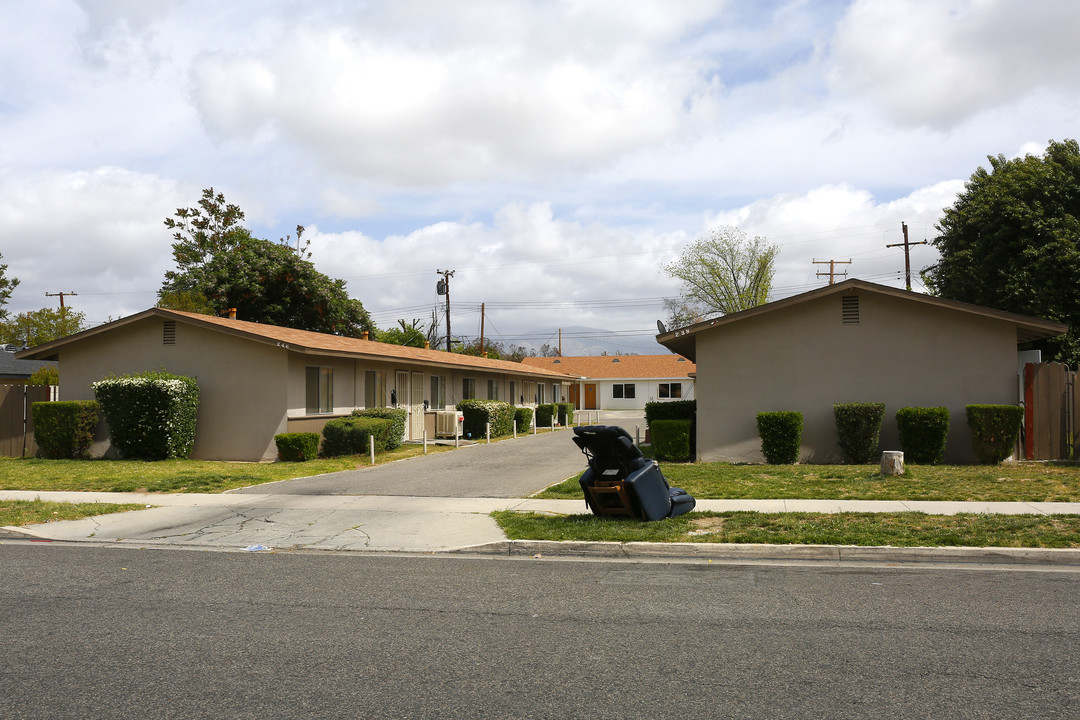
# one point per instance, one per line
(620, 481)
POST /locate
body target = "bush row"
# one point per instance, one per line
(923, 432)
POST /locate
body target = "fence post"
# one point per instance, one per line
(425, 441)
(371, 445)
(487, 432)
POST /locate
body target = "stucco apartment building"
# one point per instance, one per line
(622, 382)
(854, 341)
(259, 380)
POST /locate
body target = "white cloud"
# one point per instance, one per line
(938, 63)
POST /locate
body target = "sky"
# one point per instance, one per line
(556, 155)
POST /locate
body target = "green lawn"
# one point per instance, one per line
(1020, 482)
(896, 529)
(173, 475)
(32, 512)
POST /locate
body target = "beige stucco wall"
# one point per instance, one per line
(242, 399)
(803, 358)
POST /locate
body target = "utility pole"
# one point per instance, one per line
(907, 253)
(61, 296)
(443, 288)
(482, 330)
(560, 342)
(832, 268)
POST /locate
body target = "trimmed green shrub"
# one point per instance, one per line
(671, 440)
(350, 435)
(858, 427)
(994, 429)
(566, 413)
(64, 429)
(297, 447)
(674, 410)
(781, 436)
(923, 431)
(398, 417)
(523, 418)
(478, 413)
(545, 413)
(151, 415)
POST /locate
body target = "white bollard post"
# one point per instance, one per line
(515, 428)
(534, 422)
(487, 432)
(637, 434)
(457, 434)
(425, 441)
(371, 446)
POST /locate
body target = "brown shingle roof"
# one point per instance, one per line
(305, 341)
(617, 366)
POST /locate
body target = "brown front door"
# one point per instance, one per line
(590, 397)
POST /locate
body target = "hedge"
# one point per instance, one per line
(994, 429)
(545, 413)
(523, 418)
(297, 447)
(64, 429)
(398, 417)
(566, 413)
(671, 440)
(351, 435)
(151, 415)
(923, 432)
(478, 413)
(674, 410)
(858, 427)
(781, 436)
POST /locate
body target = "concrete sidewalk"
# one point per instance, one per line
(424, 524)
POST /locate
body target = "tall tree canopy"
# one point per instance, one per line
(721, 272)
(220, 265)
(41, 326)
(6, 286)
(1012, 242)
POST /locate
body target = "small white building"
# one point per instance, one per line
(622, 382)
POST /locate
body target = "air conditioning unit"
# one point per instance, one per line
(446, 422)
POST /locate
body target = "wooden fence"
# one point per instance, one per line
(16, 420)
(1051, 412)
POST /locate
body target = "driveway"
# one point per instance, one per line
(505, 469)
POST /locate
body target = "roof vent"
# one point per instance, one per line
(615, 360)
(849, 310)
(557, 361)
(681, 359)
(168, 333)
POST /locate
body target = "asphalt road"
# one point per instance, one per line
(121, 633)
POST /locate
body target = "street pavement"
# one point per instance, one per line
(442, 502)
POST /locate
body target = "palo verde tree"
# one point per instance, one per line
(721, 272)
(220, 265)
(1011, 241)
(7, 284)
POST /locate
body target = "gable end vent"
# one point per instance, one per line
(168, 333)
(849, 310)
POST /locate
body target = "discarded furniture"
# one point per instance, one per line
(622, 482)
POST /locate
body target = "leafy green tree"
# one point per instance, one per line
(268, 282)
(6, 286)
(220, 265)
(45, 375)
(41, 326)
(1011, 241)
(409, 335)
(721, 272)
(187, 301)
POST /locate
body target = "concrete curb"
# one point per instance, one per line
(763, 552)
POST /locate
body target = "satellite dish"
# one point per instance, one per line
(660, 326)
